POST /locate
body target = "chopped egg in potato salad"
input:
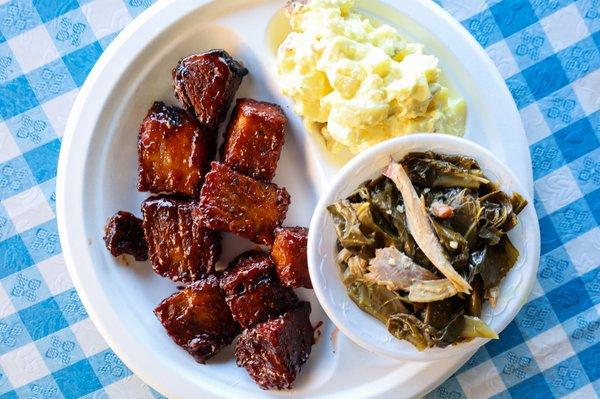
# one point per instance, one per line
(360, 84)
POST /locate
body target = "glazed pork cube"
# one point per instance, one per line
(289, 255)
(273, 352)
(198, 319)
(253, 293)
(205, 85)
(123, 234)
(173, 151)
(232, 202)
(254, 138)
(180, 247)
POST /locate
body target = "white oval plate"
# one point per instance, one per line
(97, 174)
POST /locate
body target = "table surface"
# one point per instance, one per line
(547, 51)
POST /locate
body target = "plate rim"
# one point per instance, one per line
(96, 307)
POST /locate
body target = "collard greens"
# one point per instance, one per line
(425, 267)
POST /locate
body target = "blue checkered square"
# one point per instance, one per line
(561, 108)
(51, 80)
(543, 8)
(60, 350)
(9, 395)
(18, 16)
(569, 299)
(590, 360)
(479, 357)
(80, 62)
(31, 129)
(44, 388)
(42, 241)
(535, 387)
(590, 10)
(593, 200)
(536, 317)
(70, 32)
(483, 27)
(450, 389)
(545, 77)
(591, 280)
(25, 288)
(7, 229)
(50, 9)
(106, 40)
(108, 367)
(546, 156)
(137, 6)
(13, 333)
(573, 220)
(513, 15)
(14, 256)
(71, 306)
(529, 46)
(9, 67)
(510, 337)
(15, 176)
(566, 377)
(520, 90)
(580, 59)
(16, 96)
(555, 269)
(516, 365)
(48, 188)
(43, 319)
(43, 159)
(4, 382)
(576, 140)
(68, 380)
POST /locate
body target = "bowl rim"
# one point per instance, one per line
(421, 141)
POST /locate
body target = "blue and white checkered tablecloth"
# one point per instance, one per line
(547, 50)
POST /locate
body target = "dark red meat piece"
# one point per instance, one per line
(232, 202)
(289, 255)
(123, 234)
(273, 352)
(180, 247)
(254, 138)
(173, 151)
(198, 319)
(205, 85)
(253, 293)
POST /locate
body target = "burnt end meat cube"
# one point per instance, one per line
(289, 255)
(254, 138)
(205, 85)
(232, 202)
(253, 293)
(173, 151)
(273, 352)
(180, 247)
(198, 319)
(123, 234)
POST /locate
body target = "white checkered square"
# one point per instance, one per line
(564, 27)
(28, 209)
(585, 392)
(502, 56)
(534, 123)
(105, 23)
(550, 347)
(129, 387)
(55, 274)
(23, 365)
(88, 337)
(33, 49)
(481, 381)
(584, 251)
(587, 90)
(8, 148)
(6, 306)
(557, 189)
(57, 110)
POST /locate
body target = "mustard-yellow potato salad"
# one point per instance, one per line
(359, 84)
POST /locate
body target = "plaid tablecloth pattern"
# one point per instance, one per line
(547, 50)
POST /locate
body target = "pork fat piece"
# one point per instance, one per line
(289, 255)
(123, 234)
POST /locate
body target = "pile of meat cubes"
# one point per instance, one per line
(195, 198)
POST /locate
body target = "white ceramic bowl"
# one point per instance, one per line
(364, 329)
